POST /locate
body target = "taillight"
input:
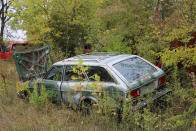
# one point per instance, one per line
(162, 80)
(135, 93)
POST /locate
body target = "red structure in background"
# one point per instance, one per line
(87, 48)
(8, 51)
(159, 64)
(177, 43)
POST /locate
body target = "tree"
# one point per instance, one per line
(5, 6)
(118, 24)
(32, 16)
(69, 22)
(63, 23)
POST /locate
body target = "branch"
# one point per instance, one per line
(6, 9)
(157, 5)
(2, 1)
(191, 10)
(6, 20)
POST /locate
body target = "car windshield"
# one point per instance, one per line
(55, 73)
(134, 68)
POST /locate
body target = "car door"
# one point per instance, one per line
(53, 81)
(72, 86)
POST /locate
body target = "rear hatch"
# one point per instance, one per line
(32, 64)
(141, 76)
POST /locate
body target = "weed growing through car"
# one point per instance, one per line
(96, 87)
(37, 95)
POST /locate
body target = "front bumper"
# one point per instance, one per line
(155, 97)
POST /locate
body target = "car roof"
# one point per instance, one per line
(94, 58)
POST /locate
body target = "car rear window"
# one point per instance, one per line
(134, 68)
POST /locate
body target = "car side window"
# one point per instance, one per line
(101, 72)
(55, 73)
(70, 75)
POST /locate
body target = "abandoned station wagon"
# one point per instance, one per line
(122, 74)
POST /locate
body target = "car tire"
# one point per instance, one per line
(87, 107)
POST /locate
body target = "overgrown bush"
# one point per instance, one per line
(38, 96)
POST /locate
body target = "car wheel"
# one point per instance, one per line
(87, 107)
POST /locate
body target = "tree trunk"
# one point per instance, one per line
(2, 30)
(5, 5)
(2, 46)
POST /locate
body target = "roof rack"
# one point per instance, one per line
(72, 59)
(102, 53)
(96, 56)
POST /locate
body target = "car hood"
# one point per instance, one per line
(32, 64)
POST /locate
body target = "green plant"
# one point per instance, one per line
(38, 96)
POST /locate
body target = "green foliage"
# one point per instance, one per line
(184, 55)
(117, 24)
(80, 70)
(38, 96)
(72, 25)
(63, 23)
(142, 27)
(32, 16)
